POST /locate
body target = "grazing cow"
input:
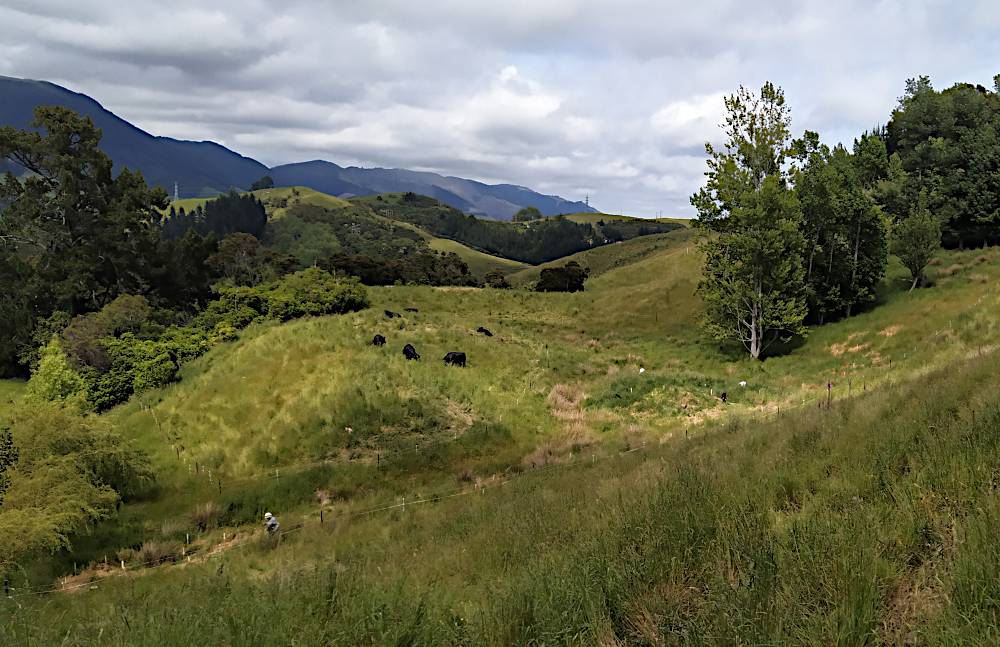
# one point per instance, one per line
(378, 340)
(455, 358)
(411, 309)
(723, 397)
(392, 315)
(484, 331)
(409, 352)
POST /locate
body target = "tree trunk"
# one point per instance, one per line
(916, 279)
(854, 270)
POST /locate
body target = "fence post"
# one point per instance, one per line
(6, 587)
(321, 516)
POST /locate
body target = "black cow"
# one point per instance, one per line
(724, 397)
(409, 352)
(455, 358)
(392, 315)
(411, 309)
(484, 331)
(378, 340)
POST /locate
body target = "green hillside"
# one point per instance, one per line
(771, 503)
(276, 201)
(607, 257)
(607, 217)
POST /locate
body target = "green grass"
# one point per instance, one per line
(608, 257)
(870, 522)
(11, 392)
(765, 521)
(276, 201)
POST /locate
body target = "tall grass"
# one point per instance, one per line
(871, 522)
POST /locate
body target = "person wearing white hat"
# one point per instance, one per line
(271, 523)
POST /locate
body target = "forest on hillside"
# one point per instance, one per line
(802, 231)
(533, 241)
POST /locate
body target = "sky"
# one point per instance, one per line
(607, 99)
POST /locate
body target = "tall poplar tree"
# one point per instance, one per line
(753, 283)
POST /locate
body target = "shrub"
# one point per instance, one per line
(568, 278)
(313, 292)
(496, 279)
(55, 378)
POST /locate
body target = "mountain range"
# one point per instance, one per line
(203, 169)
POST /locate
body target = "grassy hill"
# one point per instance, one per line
(608, 257)
(276, 201)
(279, 200)
(607, 217)
(773, 519)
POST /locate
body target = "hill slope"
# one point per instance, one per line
(200, 168)
(767, 520)
(499, 201)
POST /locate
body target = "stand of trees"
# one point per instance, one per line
(947, 145)
(799, 233)
(74, 237)
(227, 214)
(532, 241)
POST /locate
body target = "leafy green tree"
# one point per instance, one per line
(496, 279)
(947, 142)
(754, 286)
(916, 239)
(265, 182)
(73, 236)
(243, 260)
(845, 240)
(87, 230)
(71, 471)
(568, 278)
(526, 214)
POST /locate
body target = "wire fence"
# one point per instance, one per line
(124, 568)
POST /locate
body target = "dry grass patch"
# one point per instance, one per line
(891, 330)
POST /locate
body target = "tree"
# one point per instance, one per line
(916, 239)
(754, 285)
(88, 231)
(526, 214)
(244, 261)
(265, 182)
(496, 279)
(947, 142)
(845, 241)
(568, 278)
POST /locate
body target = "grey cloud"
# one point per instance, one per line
(574, 97)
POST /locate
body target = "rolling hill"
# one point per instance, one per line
(453, 498)
(278, 201)
(203, 169)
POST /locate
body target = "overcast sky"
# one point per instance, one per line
(608, 99)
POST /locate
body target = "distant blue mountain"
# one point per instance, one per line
(204, 169)
(200, 168)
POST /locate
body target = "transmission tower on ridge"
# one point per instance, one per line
(176, 196)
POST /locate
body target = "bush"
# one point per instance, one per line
(55, 378)
(568, 278)
(313, 292)
(496, 279)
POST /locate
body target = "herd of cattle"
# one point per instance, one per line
(453, 358)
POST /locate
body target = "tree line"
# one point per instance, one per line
(530, 238)
(799, 233)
